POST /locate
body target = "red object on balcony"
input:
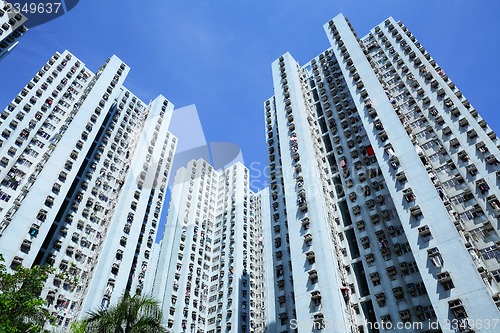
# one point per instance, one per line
(370, 151)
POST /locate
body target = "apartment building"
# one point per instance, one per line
(11, 28)
(381, 216)
(209, 276)
(84, 169)
(384, 186)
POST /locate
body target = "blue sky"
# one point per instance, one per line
(217, 54)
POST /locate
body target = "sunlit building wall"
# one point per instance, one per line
(209, 276)
(383, 188)
(11, 28)
(84, 169)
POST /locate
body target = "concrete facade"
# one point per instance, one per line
(11, 28)
(84, 165)
(209, 274)
(374, 129)
(382, 209)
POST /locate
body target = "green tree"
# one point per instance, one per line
(21, 307)
(135, 314)
(79, 327)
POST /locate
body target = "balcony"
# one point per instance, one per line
(305, 223)
(26, 244)
(491, 159)
(391, 272)
(370, 258)
(415, 211)
(394, 162)
(375, 277)
(301, 200)
(444, 279)
(462, 155)
(316, 297)
(408, 195)
(492, 135)
(435, 257)
(370, 203)
(454, 143)
(372, 113)
(463, 122)
(318, 318)
(310, 257)
(34, 229)
(457, 309)
(382, 136)
(455, 111)
(365, 242)
(424, 232)
(278, 255)
(494, 202)
(308, 239)
(448, 102)
(401, 176)
(313, 274)
(380, 298)
(472, 134)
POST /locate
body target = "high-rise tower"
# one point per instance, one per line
(84, 169)
(209, 276)
(384, 184)
(11, 27)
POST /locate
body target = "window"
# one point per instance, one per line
(450, 183)
(398, 294)
(429, 312)
(421, 288)
(416, 124)
(481, 232)
(38, 143)
(458, 199)
(50, 127)
(4, 196)
(496, 275)
(25, 162)
(388, 73)
(400, 97)
(375, 279)
(435, 257)
(405, 248)
(412, 267)
(445, 280)
(490, 252)
(470, 214)
(435, 157)
(422, 134)
(442, 169)
(431, 144)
